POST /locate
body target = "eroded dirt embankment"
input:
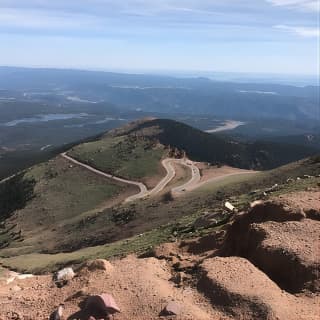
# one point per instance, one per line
(282, 241)
(265, 265)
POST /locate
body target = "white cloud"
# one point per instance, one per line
(307, 5)
(144, 16)
(306, 32)
(41, 19)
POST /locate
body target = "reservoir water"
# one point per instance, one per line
(45, 118)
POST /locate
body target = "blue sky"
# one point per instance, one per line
(267, 36)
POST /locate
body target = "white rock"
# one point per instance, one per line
(229, 206)
(65, 274)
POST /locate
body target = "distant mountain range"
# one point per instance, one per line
(152, 93)
(43, 110)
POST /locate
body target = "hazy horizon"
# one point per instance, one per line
(224, 76)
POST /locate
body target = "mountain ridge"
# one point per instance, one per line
(199, 145)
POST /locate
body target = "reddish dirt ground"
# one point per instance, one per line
(141, 288)
(306, 200)
(209, 172)
(236, 276)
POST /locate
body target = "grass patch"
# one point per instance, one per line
(183, 175)
(119, 226)
(38, 263)
(64, 194)
(67, 190)
(181, 228)
(219, 184)
(124, 156)
(243, 201)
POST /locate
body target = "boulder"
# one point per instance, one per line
(65, 274)
(171, 309)
(101, 305)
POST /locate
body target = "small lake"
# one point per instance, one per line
(45, 118)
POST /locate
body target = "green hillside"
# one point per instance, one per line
(38, 206)
(59, 207)
(205, 147)
(134, 151)
(125, 156)
(124, 229)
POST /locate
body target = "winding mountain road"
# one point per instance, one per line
(143, 188)
(144, 192)
(193, 183)
(195, 178)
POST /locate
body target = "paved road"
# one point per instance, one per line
(171, 173)
(167, 163)
(194, 181)
(144, 192)
(143, 188)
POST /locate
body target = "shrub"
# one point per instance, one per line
(167, 197)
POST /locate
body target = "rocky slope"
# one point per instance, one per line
(263, 265)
